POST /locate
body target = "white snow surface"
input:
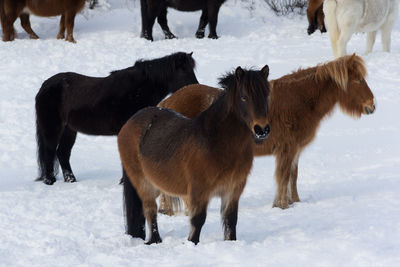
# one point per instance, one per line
(348, 177)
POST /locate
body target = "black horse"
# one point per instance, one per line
(68, 103)
(152, 9)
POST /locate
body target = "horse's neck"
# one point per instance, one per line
(222, 127)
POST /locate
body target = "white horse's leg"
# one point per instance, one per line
(388, 26)
(370, 41)
(344, 38)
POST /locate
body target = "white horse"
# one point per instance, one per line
(345, 17)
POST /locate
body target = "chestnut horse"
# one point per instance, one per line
(315, 16)
(10, 10)
(68, 103)
(152, 9)
(210, 155)
(298, 103)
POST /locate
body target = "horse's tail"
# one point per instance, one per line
(48, 127)
(133, 210)
(331, 22)
(170, 205)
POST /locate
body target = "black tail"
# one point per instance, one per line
(48, 130)
(133, 209)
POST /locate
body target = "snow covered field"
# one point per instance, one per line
(349, 178)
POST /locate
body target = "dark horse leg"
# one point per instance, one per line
(202, 24)
(64, 153)
(135, 219)
(229, 213)
(149, 14)
(213, 9)
(26, 24)
(162, 20)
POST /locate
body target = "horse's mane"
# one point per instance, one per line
(250, 80)
(338, 70)
(161, 68)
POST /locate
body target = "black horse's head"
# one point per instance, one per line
(248, 92)
(171, 72)
(182, 71)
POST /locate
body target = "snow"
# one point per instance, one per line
(348, 178)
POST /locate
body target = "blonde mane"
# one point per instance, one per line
(338, 70)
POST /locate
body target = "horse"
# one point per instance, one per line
(68, 103)
(10, 10)
(152, 9)
(298, 103)
(209, 155)
(315, 16)
(344, 18)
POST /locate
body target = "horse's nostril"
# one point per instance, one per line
(261, 133)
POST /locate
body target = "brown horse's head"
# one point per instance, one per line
(349, 72)
(247, 93)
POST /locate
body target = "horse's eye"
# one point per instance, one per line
(360, 80)
(243, 98)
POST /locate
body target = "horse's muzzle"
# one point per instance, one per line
(370, 110)
(261, 133)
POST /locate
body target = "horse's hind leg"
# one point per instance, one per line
(7, 24)
(213, 10)
(135, 220)
(61, 31)
(202, 24)
(148, 195)
(26, 24)
(371, 36)
(162, 20)
(64, 153)
(386, 31)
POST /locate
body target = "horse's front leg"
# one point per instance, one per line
(162, 20)
(293, 195)
(26, 25)
(69, 24)
(61, 30)
(7, 25)
(282, 174)
(202, 24)
(229, 212)
(198, 213)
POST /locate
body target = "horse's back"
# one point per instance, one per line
(191, 100)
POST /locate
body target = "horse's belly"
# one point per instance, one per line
(167, 178)
(49, 8)
(185, 5)
(374, 16)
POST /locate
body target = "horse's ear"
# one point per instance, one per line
(191, 54)
(265, 71)
(239, 72)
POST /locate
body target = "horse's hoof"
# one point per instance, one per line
(49, 181)
(60, 36)
(146, 36)
(170, 36)
(33, 36)
(154, 240)
(213, 36)
(69, 178)
(200, 35)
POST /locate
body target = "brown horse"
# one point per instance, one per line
(10, 10)
(210, 155)
(315, 16)
(298, 103)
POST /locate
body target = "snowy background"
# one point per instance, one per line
(349, 178)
